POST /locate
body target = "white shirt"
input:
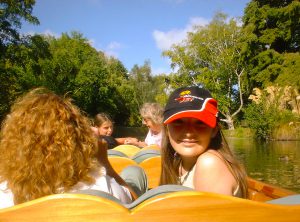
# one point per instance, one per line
(103, 183)
(153, 139)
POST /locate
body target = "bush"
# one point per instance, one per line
(259, 120)
(288, 131)
(264, 120)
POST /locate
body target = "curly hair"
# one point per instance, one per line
(47, 146)
(153, 111)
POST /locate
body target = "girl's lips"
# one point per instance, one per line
(188, 142)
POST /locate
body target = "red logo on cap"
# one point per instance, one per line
(185, 96)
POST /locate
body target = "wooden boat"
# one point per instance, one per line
(173, 206)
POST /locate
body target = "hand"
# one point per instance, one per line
(131, 140)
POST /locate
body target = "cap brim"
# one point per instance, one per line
(204, 116)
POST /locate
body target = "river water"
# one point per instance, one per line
(275, 162)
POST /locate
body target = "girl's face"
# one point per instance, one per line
(105, 129)
(152, 126)
(189, 136)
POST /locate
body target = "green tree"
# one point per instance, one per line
(273, 32)
(70, 65)
(121, 90)
(270, 111)
(211, 57)
(12, 14)
(90, 77)
(143, 87)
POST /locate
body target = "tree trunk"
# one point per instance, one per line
(229, 122)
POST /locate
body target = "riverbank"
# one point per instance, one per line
(239, 133)
(289, 132)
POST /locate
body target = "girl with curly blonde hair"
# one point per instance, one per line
(47, 147)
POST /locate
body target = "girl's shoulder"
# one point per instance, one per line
(210, 159)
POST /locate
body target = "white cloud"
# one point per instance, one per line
(51, 33)
(164, 40)
(92, 43)
(113, 49)
(114, 46)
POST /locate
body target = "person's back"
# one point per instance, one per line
(47, 147)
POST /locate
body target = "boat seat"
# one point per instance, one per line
(113, 152)
(98, 193)
(163, 189)
(119, 163)
(170, 206)
(152, 167)
(288, 200)
(129, 150)
(145, 154)
(151, 147)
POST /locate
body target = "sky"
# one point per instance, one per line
(134, 31)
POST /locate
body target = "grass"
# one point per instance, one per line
(290, 131)
(239, 133)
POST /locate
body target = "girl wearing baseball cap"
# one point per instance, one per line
(194, 151)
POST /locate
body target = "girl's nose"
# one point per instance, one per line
(188, 128)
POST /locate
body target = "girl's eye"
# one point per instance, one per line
(199, 123)
(177, 122)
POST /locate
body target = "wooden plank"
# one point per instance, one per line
(200, 206)
(66, 208)
(175, 207)
(261, 191)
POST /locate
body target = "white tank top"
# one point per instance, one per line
(187, 180)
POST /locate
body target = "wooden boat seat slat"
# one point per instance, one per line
(178, 206)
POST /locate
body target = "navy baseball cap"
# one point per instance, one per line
(192, 102)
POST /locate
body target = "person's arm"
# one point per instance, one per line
(103, 159)
(135, 142)
(120, 140)
(212, 175)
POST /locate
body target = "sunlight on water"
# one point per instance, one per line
(275, 162)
